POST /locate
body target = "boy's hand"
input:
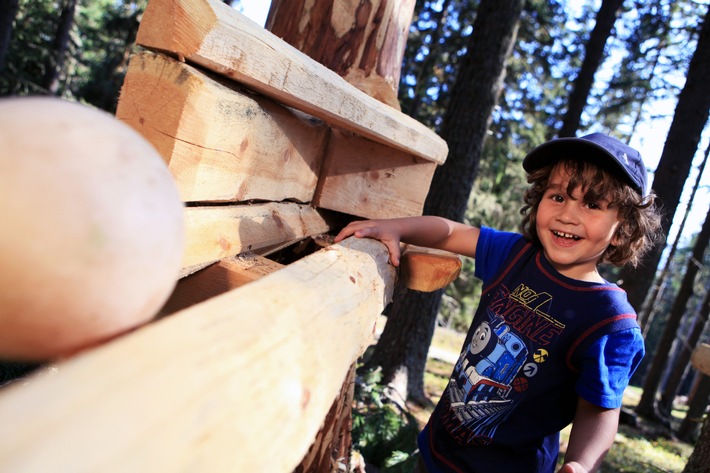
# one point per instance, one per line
(387, 231)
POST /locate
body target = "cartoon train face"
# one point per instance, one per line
(494, 357)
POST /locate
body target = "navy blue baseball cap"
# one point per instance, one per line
(610, 153)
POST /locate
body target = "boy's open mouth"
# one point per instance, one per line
(568, 236)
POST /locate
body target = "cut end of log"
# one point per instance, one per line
(427, 270)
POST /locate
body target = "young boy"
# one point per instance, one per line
(552, 341)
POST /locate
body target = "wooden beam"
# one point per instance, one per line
(218, 278)
(217, 232)
(701, 358)
(241, 382)
(215, 36)
(427, 269)
(370, 180)
(220, 143)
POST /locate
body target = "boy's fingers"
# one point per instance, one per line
(350, 229)
(393, 248)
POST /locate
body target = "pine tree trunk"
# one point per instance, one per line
(682, 361)
(689, 119)
(361, 41)
(474, 96)
(700, 458)
(697, 405)
(402, 349)
(594, 53)
(647, 404)
(8, 12)
(60, 47)
(646, 317)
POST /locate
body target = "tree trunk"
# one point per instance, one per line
(362, 41)
(683, 359)
(474, 96)
(697, 405)
(402, 349)
(594, 53)
(647, 315)
(59, 49)
(8, 12)
(700, 458)
(647, 404)
(689, 119)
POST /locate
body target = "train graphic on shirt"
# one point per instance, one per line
(483, 378)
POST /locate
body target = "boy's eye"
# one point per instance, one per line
(594, 205)
(557, 198)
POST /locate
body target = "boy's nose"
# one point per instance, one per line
(569, 213)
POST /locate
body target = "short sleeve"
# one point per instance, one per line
(608, 366)
(492, 249)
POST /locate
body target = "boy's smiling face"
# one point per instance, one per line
(574, 233)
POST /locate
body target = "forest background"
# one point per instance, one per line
(79, 49)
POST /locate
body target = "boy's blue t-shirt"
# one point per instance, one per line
(538, 341)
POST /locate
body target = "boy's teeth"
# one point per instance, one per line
(566, 235)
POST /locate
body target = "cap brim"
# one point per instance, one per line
(576, 148)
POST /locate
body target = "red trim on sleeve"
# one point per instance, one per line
(588, 332)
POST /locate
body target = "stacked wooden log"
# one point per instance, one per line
(268, 148)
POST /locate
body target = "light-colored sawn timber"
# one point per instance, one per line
(221, 144)
(367, 179)
(215, 36)
(239, 383)
(215, 233)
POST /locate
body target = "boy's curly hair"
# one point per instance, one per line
(638, 216)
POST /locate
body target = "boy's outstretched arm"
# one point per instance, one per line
(592, 435)
(428, 231)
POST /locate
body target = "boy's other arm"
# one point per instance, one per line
(428, 231)
(592, 435)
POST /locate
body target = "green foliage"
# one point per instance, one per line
(650, 48)
(108, 30)
(100, 42)
(384, 431)
(437, 40)
(30, 47)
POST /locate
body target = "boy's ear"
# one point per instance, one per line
(616, 240)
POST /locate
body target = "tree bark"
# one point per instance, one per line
(647, 404)
(700, 458)
(682, 361)
(606, 17)
(697, 405)
(361, 41)
(474, 96)
(8, 12)
(689, 119)
(59, 49)
(646, 316)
